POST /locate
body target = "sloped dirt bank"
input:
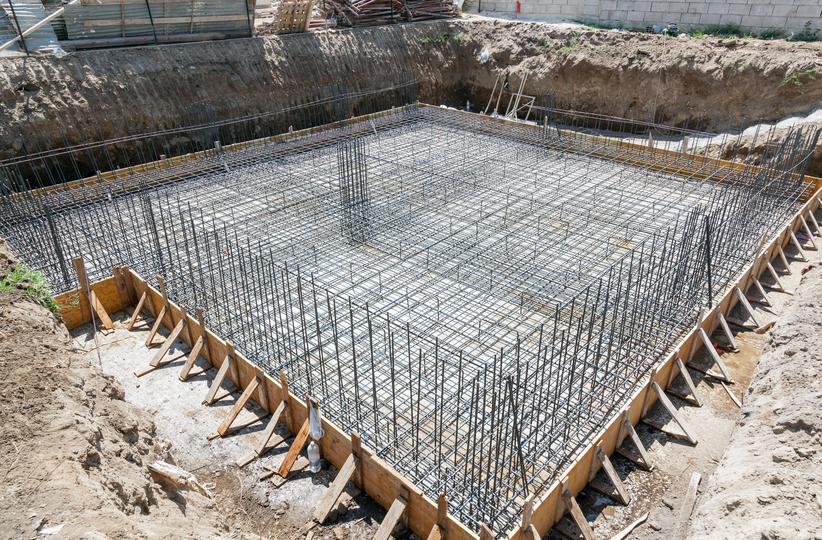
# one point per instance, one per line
(767, 484)
(75, 453)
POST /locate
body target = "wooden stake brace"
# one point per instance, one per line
(527, 529)
(294, 450)
(815, 223)
(723, 323)
(394, 515)
(602, 458)
(627, 431)
(692, 397)
(576, 513)
(775, 276)
(438, 531)
(784, 260)
(159, 358)
(798, 247)
(238, 407)
(485, 533)
(228, 363)
(136, 314)
(808, 231)
(666, 403)
(91, 297)
(747, 305)
(161, 315)
(336, 488)
(266, 443)
(200, 348)
(726, 375)
(761, 290)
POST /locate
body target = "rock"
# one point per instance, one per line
(654, 526)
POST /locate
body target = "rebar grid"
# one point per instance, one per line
(475, 298)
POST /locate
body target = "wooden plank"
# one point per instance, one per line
(237, 407)
(137, 311)
(663, 399)
(167, 344)
(211, 396)
(681, 528)
(689, 382)
(610, 472)
(335, 490)
(158, 321)
(395, 513)
(105, 320)
(185, 372)
(577, 515)
(87, 292)
(294, 450)
(706, 341)
(624, 533)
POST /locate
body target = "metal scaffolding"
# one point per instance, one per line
(475, 297)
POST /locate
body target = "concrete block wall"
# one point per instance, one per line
(750, 15)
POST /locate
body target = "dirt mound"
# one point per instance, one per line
(703, 83)
(76, 454)
(768, 482)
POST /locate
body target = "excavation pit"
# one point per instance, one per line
(475, 297)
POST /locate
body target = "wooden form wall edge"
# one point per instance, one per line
(379, 480)
(549, 508)
(113, 292)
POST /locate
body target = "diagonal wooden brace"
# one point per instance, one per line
(576, 513)
(88, 293)
(200, 348)
(663, 399)
(238, 407)
(335, 490)
(392, 517)
(643, 459)
(601, 457)
(159, 357)
(294, 450)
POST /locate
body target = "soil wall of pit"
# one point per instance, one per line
(705, 83)
(49, 102)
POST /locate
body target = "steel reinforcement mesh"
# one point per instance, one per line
(475, 298)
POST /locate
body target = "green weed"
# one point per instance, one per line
(797, 77)
(30, 283)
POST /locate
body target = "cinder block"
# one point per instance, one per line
(707, 19)
(689, 18)
(762, 10)
(780, 10)
(659, 6)
(730, 19)
(798, 24)
(607, 5)
(697, 7)
(678, 7)
(750, 21)
(635, 15)
(718, 8)
(813, 12)
(739, 9)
